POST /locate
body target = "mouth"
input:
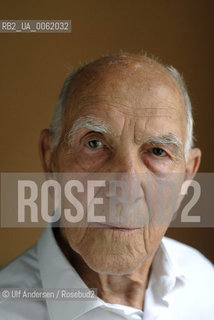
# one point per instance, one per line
(117, 228)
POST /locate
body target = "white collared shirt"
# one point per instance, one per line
(181, 286)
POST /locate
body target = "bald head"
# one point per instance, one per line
(125, 80)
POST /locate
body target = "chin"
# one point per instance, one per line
(121, 267)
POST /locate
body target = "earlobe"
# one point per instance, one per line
(194, 159)
(45, 150)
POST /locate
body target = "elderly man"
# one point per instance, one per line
(124, 114)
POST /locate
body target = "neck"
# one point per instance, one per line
(128, 289)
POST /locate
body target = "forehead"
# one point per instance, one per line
(133, 88)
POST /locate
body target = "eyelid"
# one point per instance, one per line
(92, 135)
(97, 134)
(94, 138)
(154, 145)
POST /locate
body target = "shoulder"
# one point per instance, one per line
(22, 272)
(192, 262)
(181, 251)
(196, 293)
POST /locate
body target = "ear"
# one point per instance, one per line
(193, 162)
(45, 150)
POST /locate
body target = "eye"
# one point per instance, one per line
(94, 144)
(158, 152)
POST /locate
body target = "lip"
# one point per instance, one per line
(117, 228)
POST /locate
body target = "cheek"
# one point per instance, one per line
(90, 162)
(81, 161)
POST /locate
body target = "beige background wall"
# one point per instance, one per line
(33, 67)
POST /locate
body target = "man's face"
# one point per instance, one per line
(140, 104)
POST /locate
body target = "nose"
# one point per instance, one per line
(128, 170)
(125, 189)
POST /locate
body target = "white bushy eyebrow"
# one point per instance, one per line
(89, 122)
(169, 138)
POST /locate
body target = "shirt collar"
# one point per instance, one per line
(165, 276)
